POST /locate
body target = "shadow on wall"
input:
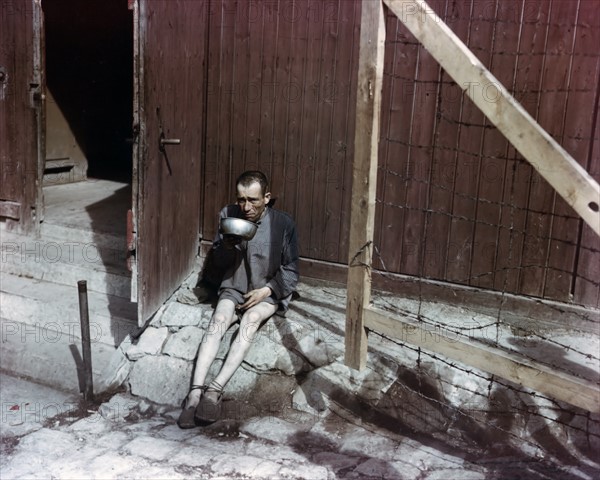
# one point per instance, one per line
(496, 425)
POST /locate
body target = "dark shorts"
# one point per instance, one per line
(237, 298)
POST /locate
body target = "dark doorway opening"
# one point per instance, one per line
(88, 163)
(89, 79)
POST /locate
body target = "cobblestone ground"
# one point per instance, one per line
(129, 440)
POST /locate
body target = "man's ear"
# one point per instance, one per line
(267, 198)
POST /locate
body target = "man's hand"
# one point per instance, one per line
(230, 241)
(254, 297)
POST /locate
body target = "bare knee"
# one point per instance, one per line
(249, 325)
(252, 319)
(218, 325)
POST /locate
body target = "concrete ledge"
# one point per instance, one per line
(66, 262)
(49, 356)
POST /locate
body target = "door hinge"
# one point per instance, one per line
(131, 241)
(10, 209)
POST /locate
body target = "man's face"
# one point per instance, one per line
(251, 201)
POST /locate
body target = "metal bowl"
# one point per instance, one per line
(238, 227)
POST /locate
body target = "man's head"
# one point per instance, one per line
(253, 194)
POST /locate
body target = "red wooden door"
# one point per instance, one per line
(21, 149)
(169, 61)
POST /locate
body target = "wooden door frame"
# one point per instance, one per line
(24, 213)
(39, 97)
(138, 131)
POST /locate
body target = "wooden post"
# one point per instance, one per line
(552, 162)
(364, 178)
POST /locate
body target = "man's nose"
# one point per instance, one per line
(247, 206)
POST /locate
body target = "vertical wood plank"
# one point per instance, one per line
(364, 178)
(552, 99)
(215, 188)
(295, 60)
(240, 86)
(399, 91)
(435, 250)
(250, 138)
(408, 199)
(310, 119)
(471, 128)
(227, 88)
(423, 120)
(343, 100)
(348, 144)
(577, 114)
(587, 283)
(288, 14)
(492, 171)
(448, 158)
(513, 244)
(321, 214)
(268, 87)
(391, 26)
(586, 288)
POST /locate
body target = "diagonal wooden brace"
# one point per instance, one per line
(552, 162)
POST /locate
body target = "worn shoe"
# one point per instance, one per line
(186, 417)
(209, 410)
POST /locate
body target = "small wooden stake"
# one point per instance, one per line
(88, 388)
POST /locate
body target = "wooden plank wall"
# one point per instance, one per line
(456, 202)
(281, 99)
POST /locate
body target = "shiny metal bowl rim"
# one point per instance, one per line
(239, 227)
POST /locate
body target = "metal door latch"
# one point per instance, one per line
(169, 141)
(162, 141)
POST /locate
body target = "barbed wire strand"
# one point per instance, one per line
(471, 371)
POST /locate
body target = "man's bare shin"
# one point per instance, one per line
(249, 325)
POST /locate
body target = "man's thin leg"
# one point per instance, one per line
(249, 324)
(220, 321)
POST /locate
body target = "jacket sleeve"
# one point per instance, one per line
(219, 259)
(285, 280)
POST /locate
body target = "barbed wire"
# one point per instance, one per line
(467, 153)
(419, 280)
(458, 331)
(497, 324)
(451, 83)
(493, 379)
(475, 48)
(511, 229)
(502, 21)
(566, 347)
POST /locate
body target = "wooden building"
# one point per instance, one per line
(221, 86)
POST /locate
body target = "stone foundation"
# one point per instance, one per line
(296, 363)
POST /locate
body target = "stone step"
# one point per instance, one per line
(41, 333)
(66, 261)
(84, 236)
(51, 305)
